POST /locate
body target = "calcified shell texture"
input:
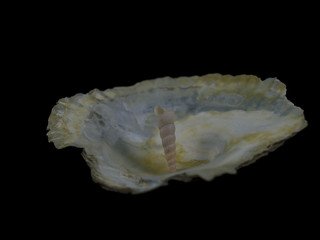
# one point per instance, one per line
(222, 122)
(167, 134)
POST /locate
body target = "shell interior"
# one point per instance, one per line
(222, 122)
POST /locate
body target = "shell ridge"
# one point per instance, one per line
(67, 120)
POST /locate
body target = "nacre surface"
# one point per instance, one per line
(222, 123)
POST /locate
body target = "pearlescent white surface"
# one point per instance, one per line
(222, 122)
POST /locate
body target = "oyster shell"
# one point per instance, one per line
(222, 122)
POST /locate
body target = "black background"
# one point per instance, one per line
(277, 180)
(64, 57)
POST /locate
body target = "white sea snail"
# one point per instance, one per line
(167, 134)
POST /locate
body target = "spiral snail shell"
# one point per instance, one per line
(167, 134)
